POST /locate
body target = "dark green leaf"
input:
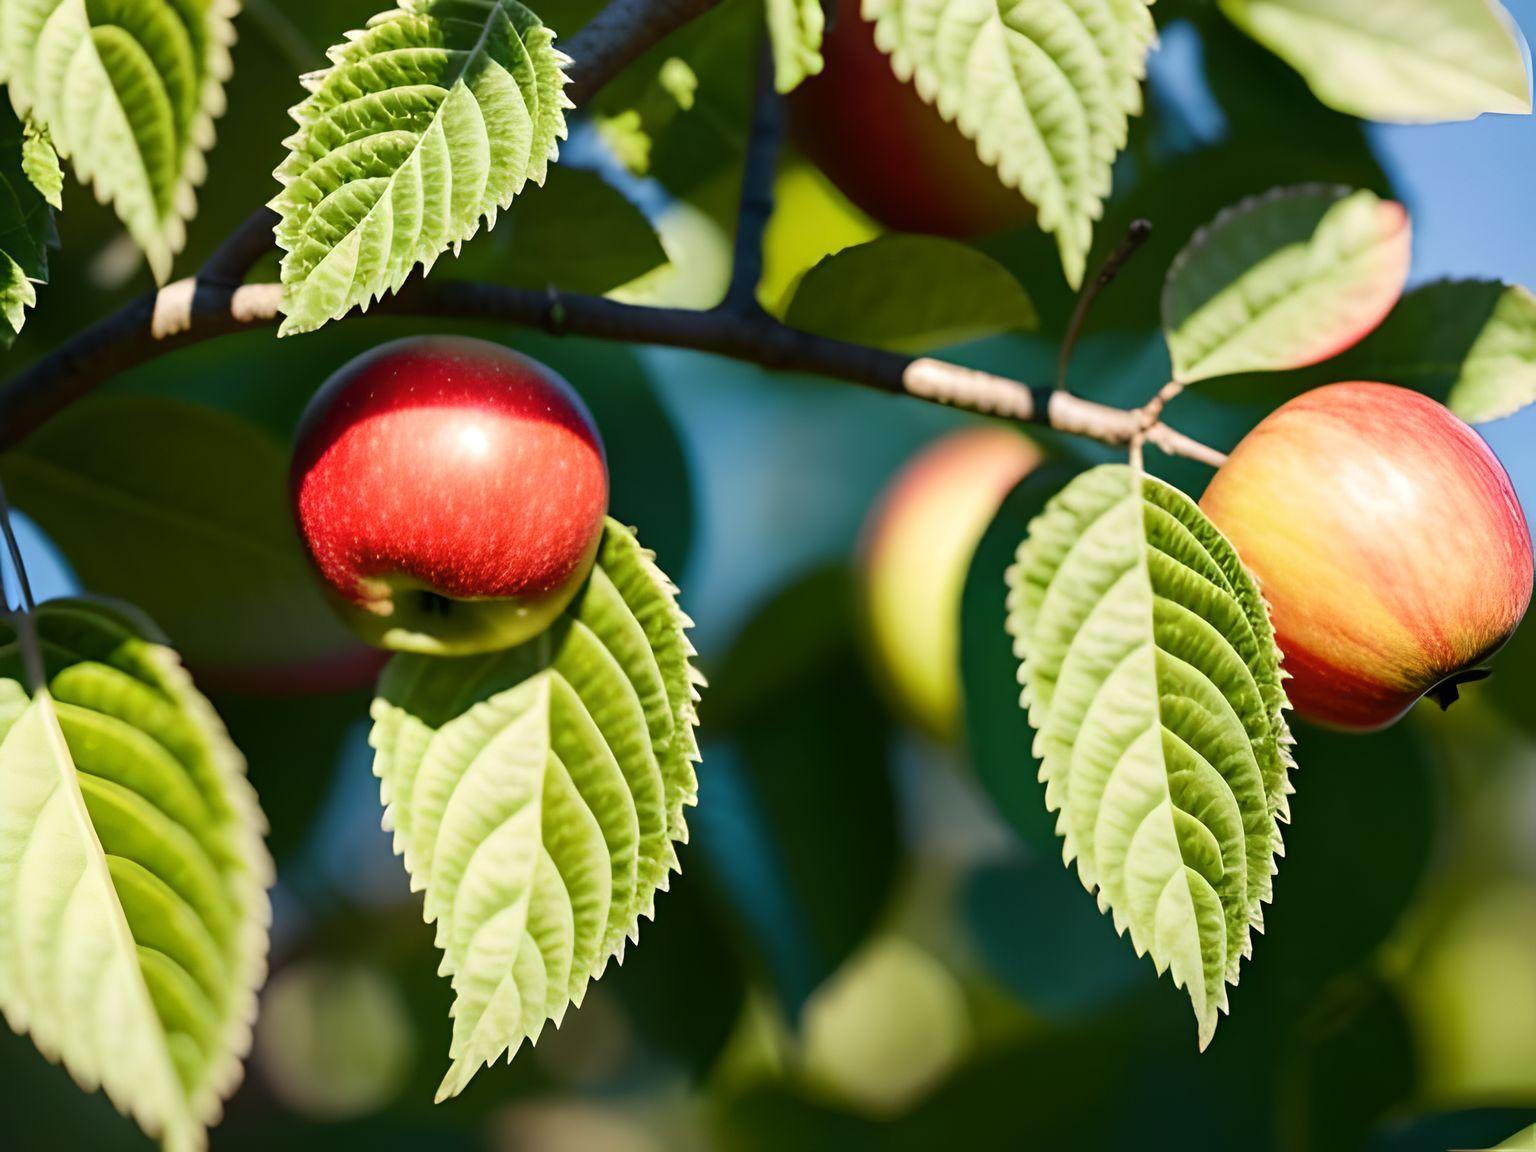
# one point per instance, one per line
(910, 294)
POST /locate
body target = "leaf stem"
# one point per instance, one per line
(24, 615)
(1138, 234)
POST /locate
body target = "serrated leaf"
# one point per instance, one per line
(1153, 683)
(1284, 280)
(26, 224)
(426, 123)
(795, 29)
(536, 795)
(1045, 89)
(133, 906)
(128, 93)
(40, 162)
(910, 294)
(1412, 61)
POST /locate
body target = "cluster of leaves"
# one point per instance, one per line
(537, 796)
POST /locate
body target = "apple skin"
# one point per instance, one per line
(1389, 542)
(887, 150)
(451, 494)
(916, 550)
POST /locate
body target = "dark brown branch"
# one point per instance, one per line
(757, 177)
(129, 337)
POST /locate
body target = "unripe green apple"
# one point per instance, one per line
(890, 152)
(451, 493)
(1388, 541)
(917, 548)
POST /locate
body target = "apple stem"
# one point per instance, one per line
(23, 615)
(1448, 691)
(1135, 236)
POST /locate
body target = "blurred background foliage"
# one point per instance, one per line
(873, 944)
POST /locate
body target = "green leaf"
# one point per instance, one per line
(1412, 61)
(133, 906)
(1153, 683)
(536, 795)
(427, 122)
(910, 294)
(1044, 89)
(128, 92)
(26, 223)
(40, 162)
(183, 510)
(795, 28)
(578, 233)
(1470, 342)
(1525, 1139)
(1284, 280)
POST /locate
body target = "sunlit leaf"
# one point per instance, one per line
(426, 123)
(1044, 88)
(128, 93)
(133, 907)
(1284, 280)
(536, 795)
(26, 222)
(1153, 683)
(795, 28)
(1411, 60)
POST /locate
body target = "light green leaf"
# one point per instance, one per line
(128, 92)
(1524, 1139)
(1284, 280)
(426, 123)
(133, 905)
(184, 511)
(26, 224)
(1411, 61)
(1153, 683)
(1045, 89)
(795, 28)
(910, 294)
(40, 162)
(536, 794)
(577, 233)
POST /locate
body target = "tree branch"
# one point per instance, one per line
(131, 336)
(217, 302)
(757, 176)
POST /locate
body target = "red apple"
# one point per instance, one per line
(887, 150)
(451, 493)
(917, 548)
(1388, 541)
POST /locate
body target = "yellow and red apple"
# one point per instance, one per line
(916, 551)
(1389, 542)
(887, 150)
(451, 494)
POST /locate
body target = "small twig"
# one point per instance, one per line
(25, 620)
(756, 202)
(1137, 235)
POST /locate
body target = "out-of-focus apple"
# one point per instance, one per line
(1388, 541)
(451, 493)
(917, 547)
(887, 150)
